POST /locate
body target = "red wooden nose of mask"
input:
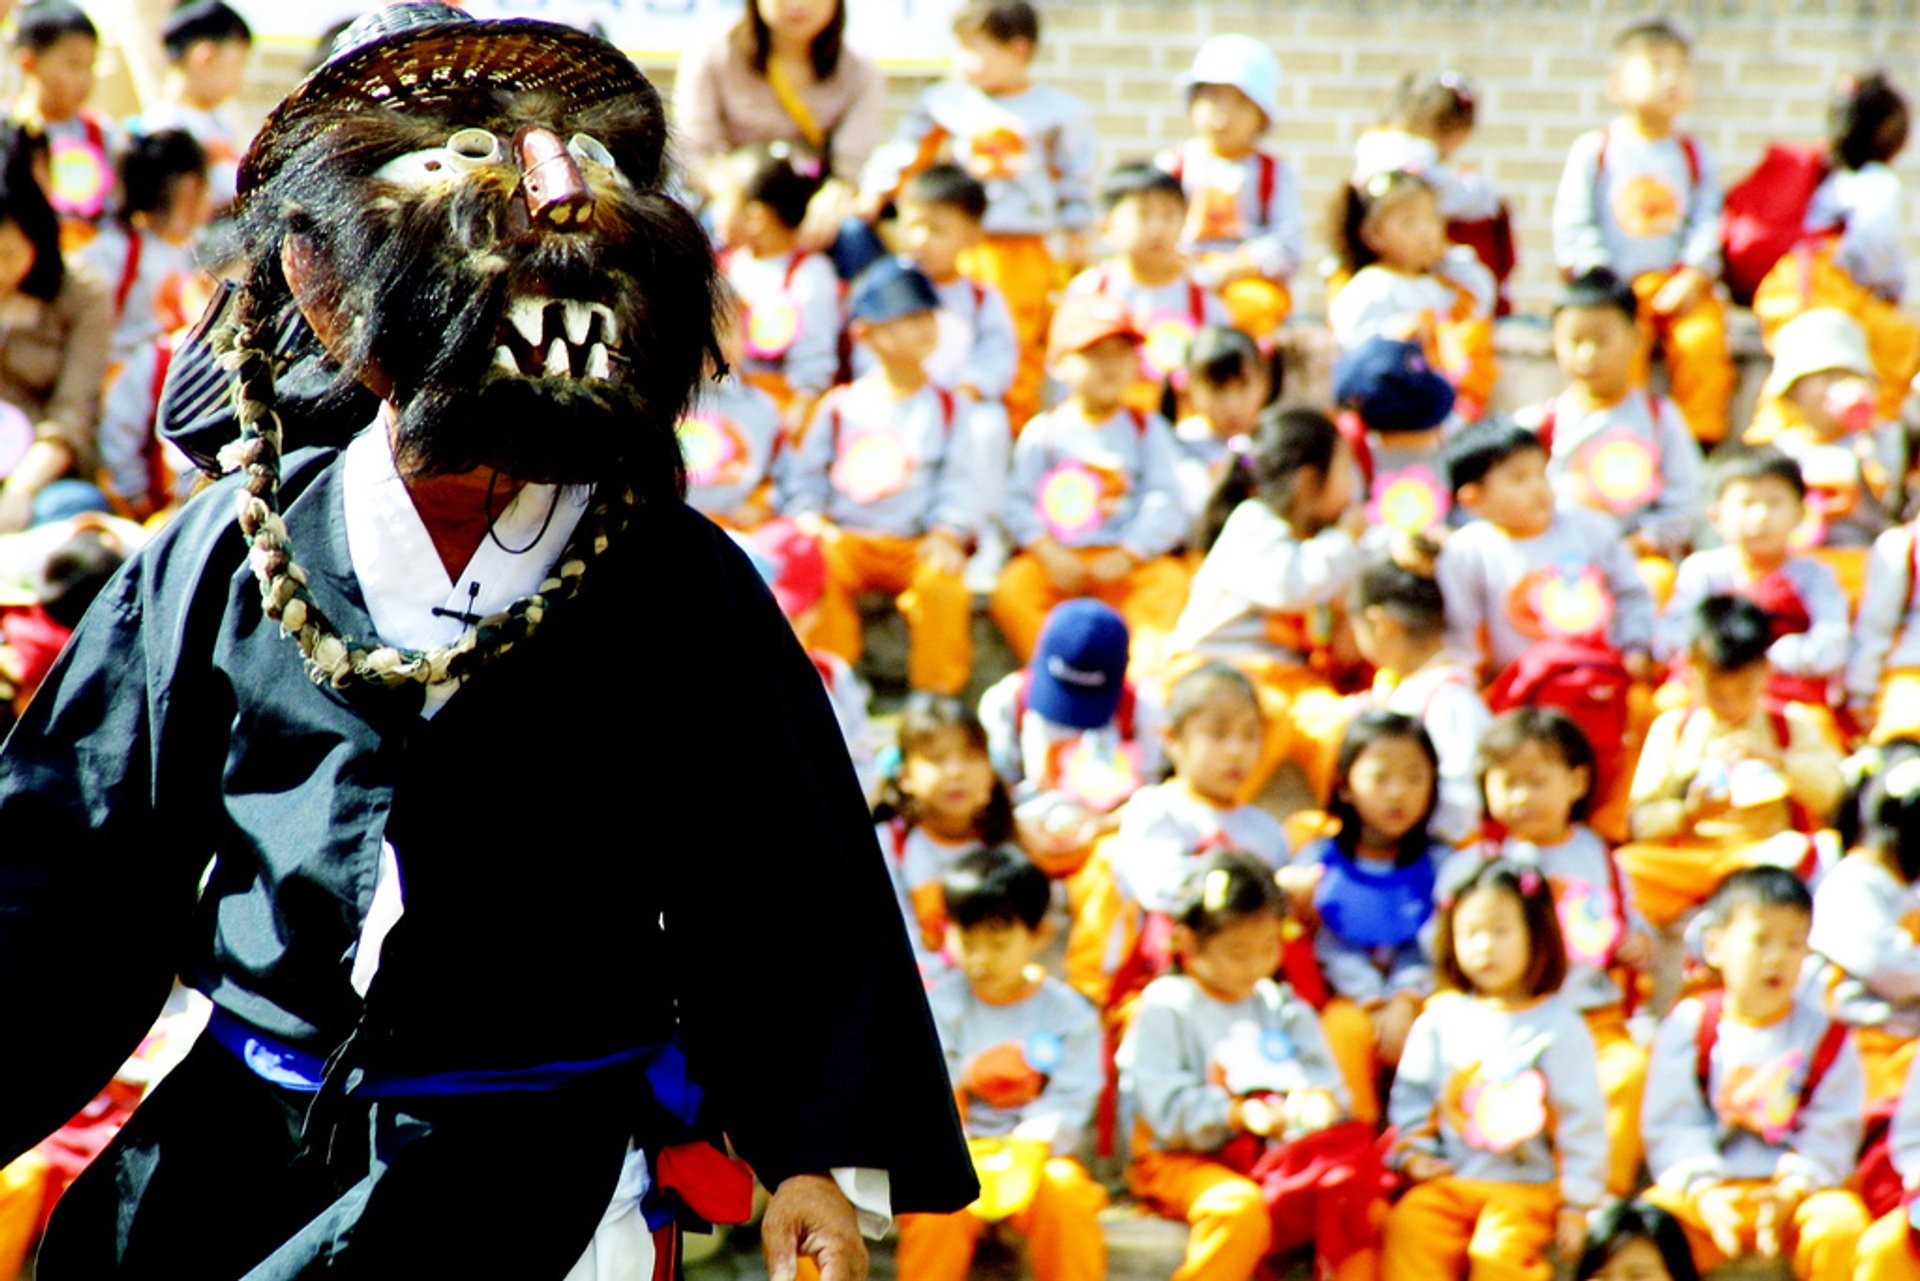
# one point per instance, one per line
(550, 182)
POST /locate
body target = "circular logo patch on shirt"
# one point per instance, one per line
(1589, 921)
(81, 177)
(1569, 600)
(1411, 500)
(1099, 771)
(1502, 1112)
(1070, 501)
(773, 323)
(1645, 207)
(1043, 1051)
(1620, 470)
(872, 465)
(16, 437)
(1169, 336)
(712, 449)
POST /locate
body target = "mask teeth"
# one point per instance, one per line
(559, 361)
(597, 362)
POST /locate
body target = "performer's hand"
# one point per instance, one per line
(810, 1215)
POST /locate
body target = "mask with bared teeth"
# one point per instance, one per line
(473, 219)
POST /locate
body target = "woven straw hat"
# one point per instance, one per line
(430, 55)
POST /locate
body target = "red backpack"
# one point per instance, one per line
(1583, 678)
(1764, 214)
(1825, 1053)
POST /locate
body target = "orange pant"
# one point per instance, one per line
(1809, 278)
(1061, 1227)
(1349, 1032)
(1694, 342)
(938, 608)
(1622, 1062)
(1257, 306)
(1489, 1231)
(1150, 598)
(1820, 1242)
(1023, 270)
(1885, 1252)
(1672, 877)
(1231, 1229)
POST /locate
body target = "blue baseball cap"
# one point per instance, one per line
(890, 289)
(1079, 669)
(1392, 387)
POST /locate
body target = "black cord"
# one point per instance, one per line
(519, 551)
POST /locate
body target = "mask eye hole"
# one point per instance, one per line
(590, 149)
(476, 146)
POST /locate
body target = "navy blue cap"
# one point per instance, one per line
(890, 289)
(1391, 386)
(1079, 669)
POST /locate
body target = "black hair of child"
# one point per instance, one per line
(1220, 354)
(1130, 182)
(1730, 632)
(1618, 1224)
(41, 25)
(1758, 886)
(1201, 686)
(1654, 33)
(924, 717)
(752, 36)
(1483, 446)
(1596, 290)
(1867, 121)
(1286, 443)
(75, 572)
(1363, 731)
(948, 186)
(996, 886)
(1354, 203)
(153, 168)
(208, 20)
(1225, 888)
(1413, 599)
(1547, 967)
(784, 178)
(1432, 103)
(24, 203)
(1883, 811)
(1001, 21)
(1546, 727)
(1735, 461)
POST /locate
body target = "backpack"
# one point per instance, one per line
(1586, 680)
(1764, 214)
(1320, 1189)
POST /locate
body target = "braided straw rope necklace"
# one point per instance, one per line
(330, 658)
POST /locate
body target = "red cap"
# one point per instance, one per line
(799, 576)
(1081, 320)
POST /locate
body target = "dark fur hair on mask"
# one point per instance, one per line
(422, 277)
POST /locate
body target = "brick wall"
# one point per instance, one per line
(1764, 69)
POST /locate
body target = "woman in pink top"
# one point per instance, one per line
(783, 72)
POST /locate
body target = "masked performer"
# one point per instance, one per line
(429, 772)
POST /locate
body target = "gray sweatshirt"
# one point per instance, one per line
(1507, 1094)
(1052, 1032)
(1188, 1056)
(1748, 1130)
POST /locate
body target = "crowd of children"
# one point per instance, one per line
(1588, 901)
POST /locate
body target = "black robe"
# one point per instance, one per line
(643, 819)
